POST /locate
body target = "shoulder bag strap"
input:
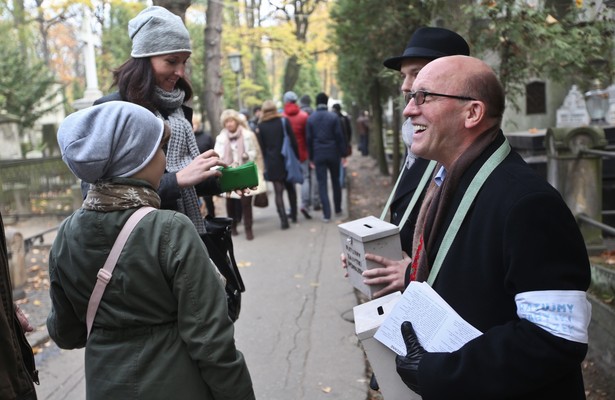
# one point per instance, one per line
(104, 274)
(231, 255)
(284, 125)
(415, 197)
(390, 199)
(418, 191)
(468, 198)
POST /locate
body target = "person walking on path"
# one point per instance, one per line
(305, 103)
(314, 198)
(347, 130)
(425, 45)
(498, 244)
(161, 329)
(298, 120)
(326, 149)
(253, 122)
(238, 145)
(154, 77)
(346, 126)
(272, 128)
(17, 368)
(363, 126)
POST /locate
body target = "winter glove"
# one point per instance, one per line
(373, 383)
(408, 366)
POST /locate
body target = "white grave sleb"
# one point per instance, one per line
(573, 112)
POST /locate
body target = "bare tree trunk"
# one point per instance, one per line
(302, 10)
(20, 22)
(213, 69)
(253, 16)
(40, 19)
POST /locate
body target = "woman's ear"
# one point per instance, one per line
(475, 114)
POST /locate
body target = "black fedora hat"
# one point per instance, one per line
(430, 43)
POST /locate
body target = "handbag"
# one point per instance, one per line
(261, 200)
(294, 173)
(105, 273)
(219, 243)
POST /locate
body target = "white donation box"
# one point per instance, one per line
(367, 318)
(368, 235)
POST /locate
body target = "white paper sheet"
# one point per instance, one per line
(438, 327)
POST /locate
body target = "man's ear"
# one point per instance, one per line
(475, 113)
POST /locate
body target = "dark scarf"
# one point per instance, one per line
(120, 194)
(436, 206)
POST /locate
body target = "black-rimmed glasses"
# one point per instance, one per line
(420, 95)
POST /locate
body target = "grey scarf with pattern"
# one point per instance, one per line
(181, 150)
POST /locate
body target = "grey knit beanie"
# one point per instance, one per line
(113, 139)
(157, 31)
(289, 97)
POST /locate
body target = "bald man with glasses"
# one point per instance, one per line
(498, 244)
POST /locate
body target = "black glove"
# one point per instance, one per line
(373, 383)
(408, 366)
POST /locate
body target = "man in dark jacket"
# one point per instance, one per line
(17, 370)
(347, 131)
(326, 149)
(363, 125)
(498, 244)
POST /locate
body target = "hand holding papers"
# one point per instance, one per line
(438, 327)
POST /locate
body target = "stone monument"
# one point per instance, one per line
(9, 135)
(610, 115)
(573, 112)
(92, 92)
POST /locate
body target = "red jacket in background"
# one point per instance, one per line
(298, 120)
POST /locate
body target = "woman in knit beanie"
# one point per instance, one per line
(154, 77)
(271, 128)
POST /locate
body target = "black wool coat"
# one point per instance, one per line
(271, 138)
(518, 236)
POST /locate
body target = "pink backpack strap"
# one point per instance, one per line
(104, 274)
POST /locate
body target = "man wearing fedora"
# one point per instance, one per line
(425, 45)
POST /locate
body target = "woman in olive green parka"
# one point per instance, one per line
(162, 330)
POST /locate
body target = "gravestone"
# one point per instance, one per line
(9, 137)
(92, 93)
(610, 115)
(573, 112)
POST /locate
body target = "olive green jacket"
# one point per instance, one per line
(162, 329)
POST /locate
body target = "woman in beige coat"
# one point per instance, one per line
(237, 144)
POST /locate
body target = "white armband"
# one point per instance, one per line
(563, 313)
